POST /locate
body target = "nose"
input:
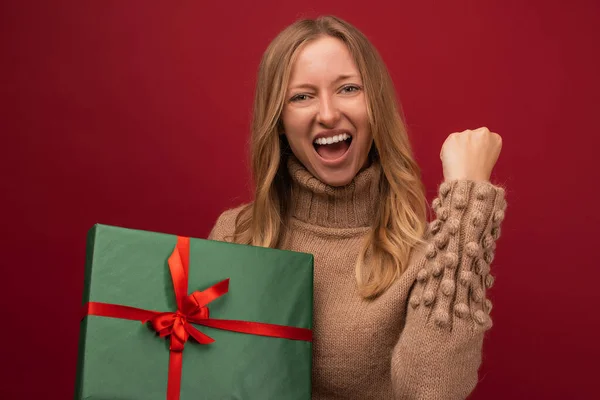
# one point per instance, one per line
(328, 114)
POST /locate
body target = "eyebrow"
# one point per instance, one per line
(338, 79)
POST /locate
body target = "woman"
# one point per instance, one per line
(400, 306)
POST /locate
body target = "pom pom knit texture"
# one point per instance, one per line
(422, 338)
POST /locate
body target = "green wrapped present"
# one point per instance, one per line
(241, 331)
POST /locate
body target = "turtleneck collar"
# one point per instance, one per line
(349, 206)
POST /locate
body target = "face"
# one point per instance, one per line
(325, 113)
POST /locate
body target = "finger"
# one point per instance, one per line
(498, 139)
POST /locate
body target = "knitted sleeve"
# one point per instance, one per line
(438, 353)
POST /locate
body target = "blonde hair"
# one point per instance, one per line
(400, 218)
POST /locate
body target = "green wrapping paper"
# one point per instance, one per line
(123, 359)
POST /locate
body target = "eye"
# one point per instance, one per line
(299, 97)
(350, 88)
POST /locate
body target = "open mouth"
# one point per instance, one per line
(332, 148)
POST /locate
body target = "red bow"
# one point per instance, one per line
(190, 309)
(177, 324)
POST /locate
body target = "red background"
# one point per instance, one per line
(137, 113)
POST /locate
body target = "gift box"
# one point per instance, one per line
(179, 318)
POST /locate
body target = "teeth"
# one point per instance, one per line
(333, 139)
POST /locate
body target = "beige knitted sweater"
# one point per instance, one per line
(422, 338)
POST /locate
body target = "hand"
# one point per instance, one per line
(470, 155)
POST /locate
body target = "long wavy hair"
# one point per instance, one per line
(400, 218)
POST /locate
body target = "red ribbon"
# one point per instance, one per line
(190, 309)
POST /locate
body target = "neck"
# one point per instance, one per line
(349, 206)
